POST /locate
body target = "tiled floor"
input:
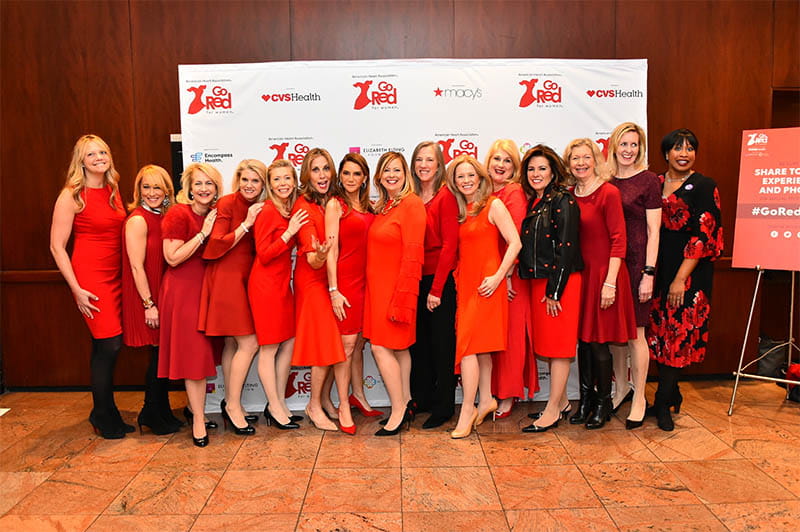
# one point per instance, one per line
(713, 472)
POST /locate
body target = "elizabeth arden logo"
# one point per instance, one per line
(549, 92)
(757, 139)
(615, 93)
(219, 100)
(452, 149)
(296, 154)
(384, 94)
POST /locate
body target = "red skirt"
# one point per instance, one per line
(556, 336)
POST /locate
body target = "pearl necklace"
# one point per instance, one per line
(676, 179)
(590, 187)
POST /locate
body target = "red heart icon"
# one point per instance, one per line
(590, 93)
(265, 97)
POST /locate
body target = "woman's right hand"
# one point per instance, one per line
(208, 223)
(84, 298)
(338, 301)
(433, 302)
(321, 248)
(298, 220)
(553, 306)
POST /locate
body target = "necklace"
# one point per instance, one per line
(389, 205)
(590, 187)
(676, 179)
(148, 208)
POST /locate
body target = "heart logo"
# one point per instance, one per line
(265, 97)
(590, 93)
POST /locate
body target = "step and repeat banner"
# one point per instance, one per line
(278, 110)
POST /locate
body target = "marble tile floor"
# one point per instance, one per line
(713, 472)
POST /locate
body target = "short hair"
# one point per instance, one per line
(600, 169)
(676, 139)
(363, 193)
(256, 166)
(557, 167)
(613, 143)
(287, 208)
(163, 179)
(438, 179)
(383, 195)
(186, 180)
(510, 147)
(305, 176)
(76, 176)
(481, 195)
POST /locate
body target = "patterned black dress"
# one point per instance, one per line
(691, 228)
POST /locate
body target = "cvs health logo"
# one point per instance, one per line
(219, 99)
(548, 92)
(452, 149)
(384, 93)
(614, 93)
(296, 155)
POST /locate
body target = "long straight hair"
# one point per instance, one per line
(481, 195)
(363, 191)
(285, 208)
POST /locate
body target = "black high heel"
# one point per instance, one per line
(241, 431)
(272, 421)
(533, 427)
(601, 415)
(293, 418)
(563, 415)
(151, 419)
(111, 432)
(412, 408)
(631, 424)
(393, 432)
(189, 416)
(628, 398)
(200, 442)
(250, 418)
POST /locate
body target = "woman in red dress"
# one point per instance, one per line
(224, 306)
(641, 202)
(433, 355)
(514, 368)
(90, 207)
(606, 302)
(395, 254)
(318, 342)
(347, 220)
(482, 308)
(270, 291)
(551, 258)
(142, 268)
(186, 353)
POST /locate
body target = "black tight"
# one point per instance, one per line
(103, 362)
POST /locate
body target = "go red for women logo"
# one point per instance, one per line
(451, 149)
(549, 92)
(219, 100)
(298, 386)
(384, 94)
(295, 155)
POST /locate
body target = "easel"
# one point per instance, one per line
(790, 343)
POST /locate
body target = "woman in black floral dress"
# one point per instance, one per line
(691, 238)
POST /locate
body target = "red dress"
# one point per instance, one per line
(317, 340)
(351, 269)
(96, 258)
(224, 306)
(395, 251)
(269, 288)
(602, 236)
(515, 368)
(185, 353)
(481, 322)
(135, 331)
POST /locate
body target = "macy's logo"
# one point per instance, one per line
(220, 99)
(464, 147)
(386, 94)
(296, 156)
(549, 93)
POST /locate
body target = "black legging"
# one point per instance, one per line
(104, 359)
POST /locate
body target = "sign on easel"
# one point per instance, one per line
(768, 205)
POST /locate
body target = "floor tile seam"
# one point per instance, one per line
(708, 507)
(219, 480)
(494, 484)
(308, 482)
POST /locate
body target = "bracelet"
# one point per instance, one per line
(148, 303)
(202, 236)
(649, 270)
(610, 285)
(244, 227)
(332, 289)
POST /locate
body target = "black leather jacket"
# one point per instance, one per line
(550, 246)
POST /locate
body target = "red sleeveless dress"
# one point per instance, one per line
(351, 269)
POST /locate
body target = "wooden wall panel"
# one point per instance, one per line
(786, 44)
(520, 28)
(360, 29)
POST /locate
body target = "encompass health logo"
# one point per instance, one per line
(220, 100)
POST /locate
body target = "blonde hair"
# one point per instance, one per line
(481, 195)
(162, 178)
(363, 192)
(438, 179)
(284, 209)
(305, 176)
(255, 166)
(76, 174)
(613, 143)
(510, 147)
(383, 195)
(186, 181)
(600, 168)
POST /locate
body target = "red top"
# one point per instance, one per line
(351, 268)
(96, 261)
(135, 331)
(224, 306)
(513, 197)
(441, 238)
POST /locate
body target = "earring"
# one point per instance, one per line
(165, 203)
(190, 195)
(216, 197)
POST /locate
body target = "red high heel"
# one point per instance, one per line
(351, 430)
(507, 413)
(354, 402)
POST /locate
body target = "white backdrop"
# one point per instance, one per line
(281, 110)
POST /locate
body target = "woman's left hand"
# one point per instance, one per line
(607, 296)
(321, 248)
(433, 302)
(252, 214)
(489, 285)
(151, 317)
(510, 287)
(676, 291)
(553, 306)
(646, 288)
